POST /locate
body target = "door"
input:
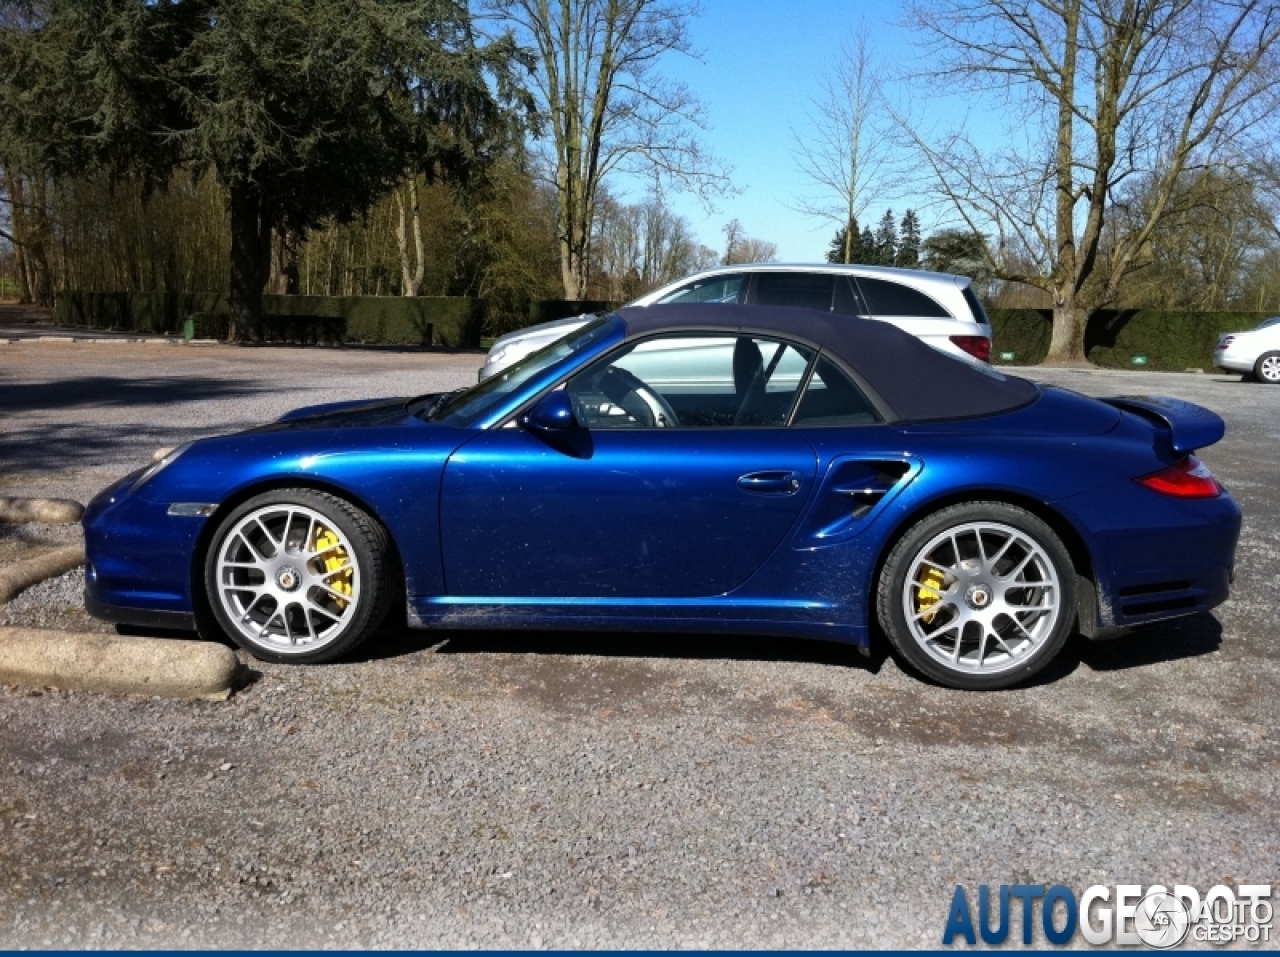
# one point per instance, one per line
(679, 482)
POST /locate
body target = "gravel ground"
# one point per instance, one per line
(509, 790)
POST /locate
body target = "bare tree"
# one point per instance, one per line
(1201, 255)
(846, 154)
(740, 248)
(607, 109)
(640, 247)
(1103, 90)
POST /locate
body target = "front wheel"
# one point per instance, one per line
(298, 575)
(1267, 368)
(978, 596)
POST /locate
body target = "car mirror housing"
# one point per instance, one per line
(552, 413)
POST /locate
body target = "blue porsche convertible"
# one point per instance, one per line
(700, 468)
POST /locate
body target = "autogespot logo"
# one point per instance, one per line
(1126, 914)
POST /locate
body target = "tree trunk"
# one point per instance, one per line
(30, 227)
(13, 187)
(20, 270)
(573, 261)
(284, 263)
(411, 273)
(1066, 345)
(250, 256)
(38, 233)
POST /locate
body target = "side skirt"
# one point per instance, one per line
(693, 617)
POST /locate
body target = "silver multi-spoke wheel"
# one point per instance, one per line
(287, 578)
(1268, 368)
(981, 597)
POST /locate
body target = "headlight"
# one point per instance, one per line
(155, 468)
(495, 356)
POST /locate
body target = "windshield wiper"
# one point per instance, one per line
(439, 401)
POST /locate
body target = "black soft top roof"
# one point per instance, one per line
(913, 380)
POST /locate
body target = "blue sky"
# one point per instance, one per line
(761, 64)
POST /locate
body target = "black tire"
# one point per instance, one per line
(893, 595)
(1267, 368)
(340, 632)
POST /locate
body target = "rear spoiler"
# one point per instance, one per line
(1190, 426)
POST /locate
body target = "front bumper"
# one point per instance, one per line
(139, 559)
(141, 617)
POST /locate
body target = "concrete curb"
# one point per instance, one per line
(36, 657)
(85, 340)
(20, 576)
(44, 511)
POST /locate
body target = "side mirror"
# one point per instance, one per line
(552, 413)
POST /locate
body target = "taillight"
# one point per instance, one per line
(1225, 341)
(977, 346)
(1189, 478)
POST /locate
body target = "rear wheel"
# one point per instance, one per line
(298, 575)
(1267, 368)
(978, 596)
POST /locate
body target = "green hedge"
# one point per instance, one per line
(452, 321)
(1171, 341)
(156, 312)
(443, 321)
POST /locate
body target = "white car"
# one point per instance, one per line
(939, 308)
(1256, 352)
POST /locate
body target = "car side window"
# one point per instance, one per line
(832, 399)
(846, 301)
(794, 289)
(884, 298)
(692, 381)
(726, 288)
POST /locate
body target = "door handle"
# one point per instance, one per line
(774, 482)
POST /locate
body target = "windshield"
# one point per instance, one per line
(466, 406)
(1265, 323)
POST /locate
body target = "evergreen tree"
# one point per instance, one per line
(886, 248)
(838, 253)
(867, 252)
(960, 252)
(304, 110)
(909, 241)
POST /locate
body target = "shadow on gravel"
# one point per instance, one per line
(392, 643)
(68, 446)
(119, 393)
(1170, 641)
(70, 442)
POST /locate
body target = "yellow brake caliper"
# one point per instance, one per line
(928, 594)
(334, 557)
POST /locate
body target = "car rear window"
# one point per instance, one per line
(975, 306)
(831, 399)
(794, 289)
(885, 298)
(846, 301)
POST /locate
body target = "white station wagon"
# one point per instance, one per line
(939, 308)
